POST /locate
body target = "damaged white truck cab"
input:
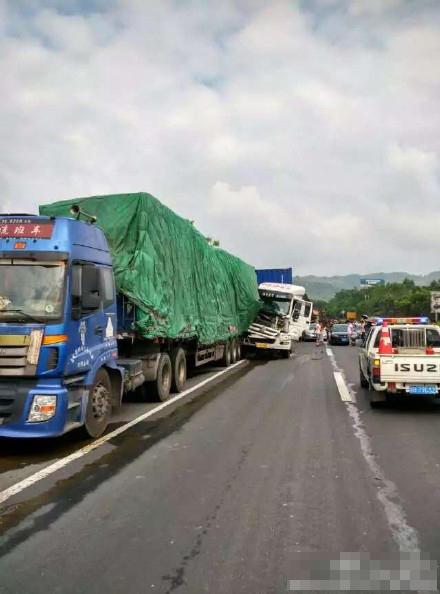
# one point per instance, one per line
(283, 318)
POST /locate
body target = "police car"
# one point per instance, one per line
(401, 356)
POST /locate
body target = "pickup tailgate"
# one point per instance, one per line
(416, 369)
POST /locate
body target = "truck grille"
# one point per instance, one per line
(14, 355)
(260, 331)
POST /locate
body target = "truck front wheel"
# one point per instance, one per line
(286, 354)
(162, 385)
(99, 405)
(178, 364)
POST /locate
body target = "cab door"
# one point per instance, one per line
(92, 335)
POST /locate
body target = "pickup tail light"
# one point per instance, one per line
(430, 351)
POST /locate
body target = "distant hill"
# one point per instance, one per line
(325, 287)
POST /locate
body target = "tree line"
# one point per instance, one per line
(393, 299)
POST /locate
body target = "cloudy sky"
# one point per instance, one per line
(303, 133)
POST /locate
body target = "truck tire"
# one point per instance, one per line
(233, 351)
(362, 379)
(238, 351)
(162, 385)
(286, 354)
(226, 360)
(178, 365)
(99, 405)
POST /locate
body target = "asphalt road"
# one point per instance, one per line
(240, 488)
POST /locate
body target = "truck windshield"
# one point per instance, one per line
(31, 290)
(276, 303)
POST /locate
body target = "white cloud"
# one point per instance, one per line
(285, 133)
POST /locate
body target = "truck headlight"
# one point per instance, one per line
(43, 408)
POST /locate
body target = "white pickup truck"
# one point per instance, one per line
(413, 365)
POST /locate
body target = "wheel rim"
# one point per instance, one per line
(100, 402)
(166, 378)
(181, 371)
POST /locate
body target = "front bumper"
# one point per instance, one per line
(339, 340)
(15, 402)
(281, 343)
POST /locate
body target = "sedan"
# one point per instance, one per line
(339, 334)
(310, 333)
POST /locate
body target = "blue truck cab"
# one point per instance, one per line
(59, 365)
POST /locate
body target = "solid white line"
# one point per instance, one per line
(405, 536)
(45, 472)
(344, 392)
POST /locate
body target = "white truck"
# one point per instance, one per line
(411, 365)
(282, 320)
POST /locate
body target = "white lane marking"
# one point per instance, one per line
(45, 472)
(345, 388)
(405, 536)
(342, 387)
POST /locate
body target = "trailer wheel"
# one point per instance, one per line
(162, 385)
(178, 365)
(226, 361)
(234, 351)
(238, 351)
(99, 405)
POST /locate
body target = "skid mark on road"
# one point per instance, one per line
(405, 536)
(177, 577)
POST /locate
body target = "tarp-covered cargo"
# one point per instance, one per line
(182, 286)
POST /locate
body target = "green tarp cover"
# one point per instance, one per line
(182, 286)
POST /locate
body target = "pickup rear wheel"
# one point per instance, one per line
(178, 364)
(99, 405)
(162, 385)
(362, 379)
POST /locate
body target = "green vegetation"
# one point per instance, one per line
(326, 287)
(393, 299)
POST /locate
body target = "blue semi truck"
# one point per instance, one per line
(69, 344)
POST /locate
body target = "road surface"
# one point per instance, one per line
(242, 486)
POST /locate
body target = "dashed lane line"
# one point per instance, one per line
(342, 387)
(45, 472)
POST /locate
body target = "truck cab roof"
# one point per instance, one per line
(26, 235)
(295, 290)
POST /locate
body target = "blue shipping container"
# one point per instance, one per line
(275, 275)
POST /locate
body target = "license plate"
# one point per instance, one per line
(261, 345)
(423, 389)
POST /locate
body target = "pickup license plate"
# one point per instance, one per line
(261, 345)
(423, 389)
